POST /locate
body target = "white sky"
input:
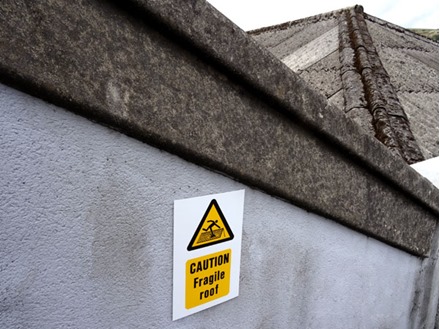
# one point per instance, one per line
(252, 14)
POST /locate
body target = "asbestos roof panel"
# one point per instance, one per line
(303, 37)
(284, 42)
(388, 35)
(422, 111)
(412, 63)
(321, 80)
(324, 75)
(430, 59)
(273, 38)
(313, 51)
(408, 73)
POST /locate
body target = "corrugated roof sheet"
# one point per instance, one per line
(382, 76)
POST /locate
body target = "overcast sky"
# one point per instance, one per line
(252, 14)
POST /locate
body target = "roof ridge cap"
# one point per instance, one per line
(286, 25)
(390, 121)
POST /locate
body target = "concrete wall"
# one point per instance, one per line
(86, 239)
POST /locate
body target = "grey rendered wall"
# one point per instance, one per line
(86, 239)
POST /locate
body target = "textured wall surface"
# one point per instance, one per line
(86, 239)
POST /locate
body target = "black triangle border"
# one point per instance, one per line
(225, 222)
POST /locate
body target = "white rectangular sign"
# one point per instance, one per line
(207, 251)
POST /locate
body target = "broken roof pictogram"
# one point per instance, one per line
(212, 229)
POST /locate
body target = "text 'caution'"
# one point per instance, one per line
(207, 278)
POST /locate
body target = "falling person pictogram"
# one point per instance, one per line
(212, 229)
(213, 223)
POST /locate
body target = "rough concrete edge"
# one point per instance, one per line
(186, 23)
(231, 49)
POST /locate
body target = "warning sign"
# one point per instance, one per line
(213, 228)
(207, 278)
(206, 251)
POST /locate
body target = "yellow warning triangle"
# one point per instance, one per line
(213, 228)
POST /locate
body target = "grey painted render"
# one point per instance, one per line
(181, 77)
(86, 240)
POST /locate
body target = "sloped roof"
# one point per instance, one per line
(382, 76)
